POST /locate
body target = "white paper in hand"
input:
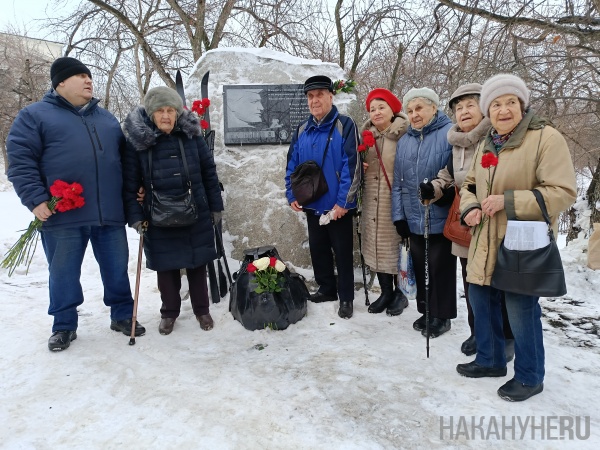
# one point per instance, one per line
(326, 218)
(526, 235)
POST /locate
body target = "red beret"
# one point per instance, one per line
(386, 95)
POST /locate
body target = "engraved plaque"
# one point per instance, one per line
(263, 114)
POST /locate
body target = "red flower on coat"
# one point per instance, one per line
(368, 138)
(489, 160)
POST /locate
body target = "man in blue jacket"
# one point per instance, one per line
(67, 136)
(327, 129)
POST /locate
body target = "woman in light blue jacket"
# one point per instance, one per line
(420, 154)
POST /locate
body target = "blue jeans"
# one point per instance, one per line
(65, 248)
(524, 315)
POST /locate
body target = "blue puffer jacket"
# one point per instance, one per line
(177, 247)
(341, 169)
(51, 140)
(419, 155)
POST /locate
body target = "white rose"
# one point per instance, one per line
(279, 266)
(262, 263)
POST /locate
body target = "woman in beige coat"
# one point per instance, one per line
(380, 241)
(531, 154)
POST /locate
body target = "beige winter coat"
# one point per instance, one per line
(463, 149)
(380, 241)
(535, 156)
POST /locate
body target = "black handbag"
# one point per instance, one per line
(538, 272)
(173, 210)
(308, 181)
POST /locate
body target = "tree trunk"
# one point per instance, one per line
(593, 195)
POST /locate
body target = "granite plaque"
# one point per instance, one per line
(263, 114)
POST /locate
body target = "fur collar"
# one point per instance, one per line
(394, 132)
(142, 133)
(459, 138)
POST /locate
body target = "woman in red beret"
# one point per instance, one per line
(380, 241)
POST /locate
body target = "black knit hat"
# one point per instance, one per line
(318, 82)
(66, 67)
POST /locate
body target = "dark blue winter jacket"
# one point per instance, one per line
(341, 168)
(419, 156)
(177, 247)
(51, 140)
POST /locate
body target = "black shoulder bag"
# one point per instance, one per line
(173, 210)
(536, 272)
(308, 181)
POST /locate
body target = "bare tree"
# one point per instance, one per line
(24, 77)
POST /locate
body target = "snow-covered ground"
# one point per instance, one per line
(325, 382)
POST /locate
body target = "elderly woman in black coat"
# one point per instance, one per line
(162, 139)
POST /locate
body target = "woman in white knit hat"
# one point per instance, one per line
(523, 152)
(420, 154)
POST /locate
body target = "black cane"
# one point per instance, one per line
(143, 227)
(426, 236)
(362, 260)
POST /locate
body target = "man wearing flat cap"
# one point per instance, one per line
(67, 136)
(330, 139)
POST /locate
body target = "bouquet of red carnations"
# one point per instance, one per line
(65, 197)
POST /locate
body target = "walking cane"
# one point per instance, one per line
(143, 228)
(426, 236)
(362, 260)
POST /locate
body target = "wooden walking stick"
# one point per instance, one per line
(143, 228)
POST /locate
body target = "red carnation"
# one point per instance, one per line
(489, 160)
(362, 148)
(204, 124)
(205, 102)
(197, 107)
(251, 268)
(65, 197)
(368, 138)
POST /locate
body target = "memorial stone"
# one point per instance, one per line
(252, 173)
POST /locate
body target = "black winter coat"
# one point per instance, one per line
(180, 247)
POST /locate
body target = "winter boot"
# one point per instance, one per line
(386, 281)
(398, 304)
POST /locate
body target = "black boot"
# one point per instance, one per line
(398, 304)
(386, 281)
(469, 347)
(346, 310)
(437, 327)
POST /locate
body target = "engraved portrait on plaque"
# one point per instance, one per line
(263, 114)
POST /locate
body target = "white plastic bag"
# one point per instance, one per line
(406, 273)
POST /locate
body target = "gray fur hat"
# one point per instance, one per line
(423, 92)
(160, 97)
(502, 84)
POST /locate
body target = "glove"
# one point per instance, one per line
(402, 228)
(216, 217)
(426, 191)
(447, 196)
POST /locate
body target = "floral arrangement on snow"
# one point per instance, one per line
(343, 86)
(267, 274)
